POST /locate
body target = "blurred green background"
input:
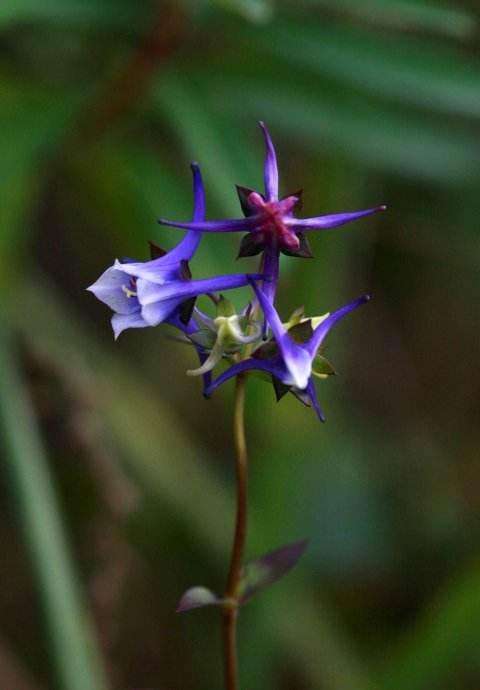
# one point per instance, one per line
(117, 486)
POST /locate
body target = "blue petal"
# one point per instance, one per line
(331, 221)
(321, 331)
(182, 289)
(157, 271)
(298, 362)
(198, 193)
(270, 169)
(312, 394)
(121, 322)
(112, 289)
(267, 365)
(270, 312)
(187, 247)
(227, 225)
(155, 313)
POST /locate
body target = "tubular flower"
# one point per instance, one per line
(270, 223)
(148, 293)
(292, 365)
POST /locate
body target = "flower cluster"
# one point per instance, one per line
(162, 290)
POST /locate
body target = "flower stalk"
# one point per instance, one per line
(231, 603)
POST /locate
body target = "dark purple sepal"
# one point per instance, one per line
(185, 272)
(302, 396)
(250, 245)
(299, 195)
(185, 310)
(264, 571)
(303, 252)
(302, 331)
(197, 598)
(280, 388)
(266, 351)
(156, 252)
(243, 194)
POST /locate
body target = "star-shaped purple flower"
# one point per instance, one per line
(292, 366)
(270, 222)
(148, 293)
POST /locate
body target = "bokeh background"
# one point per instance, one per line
(116, 484)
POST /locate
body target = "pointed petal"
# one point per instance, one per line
(314, 400)
(111, 289)
(330, 221)
(270, 170)
(297, 360)
(227, 225)
(156, 271)
(120, 322)
(187, 247)
(270, 312)
(247, 365)
(198, 193)
(321, 331)
(182, 289)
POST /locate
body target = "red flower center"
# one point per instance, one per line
(272, 226)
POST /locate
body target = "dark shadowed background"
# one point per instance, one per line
(117, 484)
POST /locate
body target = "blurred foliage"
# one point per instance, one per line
(112, 450)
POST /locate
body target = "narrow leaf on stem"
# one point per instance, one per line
(264, 571)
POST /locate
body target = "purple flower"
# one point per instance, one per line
(270, 222)
(292, 366)
(148, 293)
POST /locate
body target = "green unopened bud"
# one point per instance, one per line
(229, 339)
(225, 307)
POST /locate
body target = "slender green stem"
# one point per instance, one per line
(230, 611)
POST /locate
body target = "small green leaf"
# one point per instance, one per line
(322, 367)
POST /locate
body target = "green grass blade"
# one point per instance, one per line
(76, 660)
